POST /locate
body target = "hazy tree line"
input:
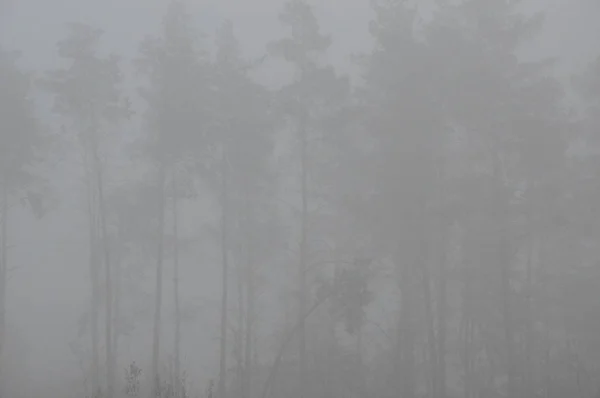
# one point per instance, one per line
(451, 169)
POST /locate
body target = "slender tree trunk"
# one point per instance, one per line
(159, 271)
(249, 330)
(547, 371)
(362, 385)
(97, 166)
(177, 343)
(441, 305)
(441, 345)
(504, 259)
(467, 324)
(225, 278)
(406, 333)
(95, 287)
(422, 264)
(110, 375)
(239, 338)
(529, 387)
(465, 332)
(117, 306)
(329, 360)
(250, 297)
(508, 324)
(303, 254)
(255, 351)
(3, 264)
(441, 318)
(431, 338)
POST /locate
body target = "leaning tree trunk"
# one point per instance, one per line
(159, 271)
(225, 278)
(177, 342)
(289, 335)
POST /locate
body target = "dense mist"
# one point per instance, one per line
(299, 199)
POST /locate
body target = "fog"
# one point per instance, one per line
(294, 198)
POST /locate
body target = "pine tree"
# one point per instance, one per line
(176, 98)
(89, 96)
(511, 114)
(311, 95)
(246, 123)
(21, 143)
(402, 114)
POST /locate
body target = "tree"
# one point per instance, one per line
(305, 101)
(245, 133)
(175, 95)
(402, 113)
(480, 118)
(514, 123)
(88, 94)
(21, 143)
(132, 218)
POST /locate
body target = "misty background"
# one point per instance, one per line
(46, 348)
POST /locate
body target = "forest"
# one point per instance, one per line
(428, 228)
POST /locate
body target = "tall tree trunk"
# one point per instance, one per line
(467, 323)
(431, 337)
(249, 339)
(329, 362)
(3, 265)
(501, 212)
(422, 263)
(508, 322)
(177, 342)
(97, 165)
(225, 277)
(110, 375)
(362, 383)
(303, 253)
(250, 316)
(441, 342)
(239, 336)
(466, 334)
(441, 316)
(406, 332)
(441, 250)
(95, 286)
(529, 387)
(159, 271)
(117, 305)
(508, 325)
